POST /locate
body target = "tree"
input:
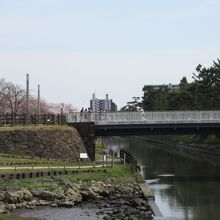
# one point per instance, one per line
(33, 106)
(201, 94)
(155, 99)
(134, 105)
(180, 100)
(2, 101)
(13, 96)
(207, 86)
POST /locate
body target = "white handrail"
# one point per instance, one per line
(145, 117)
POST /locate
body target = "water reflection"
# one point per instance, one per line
(185, 187)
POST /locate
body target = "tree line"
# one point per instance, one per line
(13, 99)
(203, 93)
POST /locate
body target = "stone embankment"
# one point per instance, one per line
(42, 141)
(114, 200)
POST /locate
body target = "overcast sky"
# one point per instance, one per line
(73, 48)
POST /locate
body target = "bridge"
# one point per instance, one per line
(90, 125)
(142, 123)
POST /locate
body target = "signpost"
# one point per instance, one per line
(83, 155)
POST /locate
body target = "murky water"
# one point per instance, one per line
(185, 187)
(84, 213)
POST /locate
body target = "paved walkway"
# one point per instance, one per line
(50, 167)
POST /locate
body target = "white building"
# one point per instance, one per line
(102, 105)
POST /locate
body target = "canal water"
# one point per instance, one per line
(185, 186)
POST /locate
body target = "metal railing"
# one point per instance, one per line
(22, 119)
(145, 117)
(130, 159)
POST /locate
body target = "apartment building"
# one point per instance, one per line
(102, 105)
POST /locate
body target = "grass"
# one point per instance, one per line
(36, 127)
(117, 174)
(12, 160)
(100, 148)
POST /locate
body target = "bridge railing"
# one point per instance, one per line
(145, 117)
(22, 119)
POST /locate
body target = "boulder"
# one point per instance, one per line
(3, 211)
(2, 205)
(88, 194)
(27, 195)
(54, 205)
(2, 195)
(65, 203)
(43, 203)
(13, 197)
(59, 193)
(43, 194)
(73, 195)
(33, 202)
(11, 207)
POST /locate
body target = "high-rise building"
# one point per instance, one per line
(102, 105)
(170, 87)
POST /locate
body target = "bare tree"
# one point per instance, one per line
(33, 106)
(13, 96)
(2, 102)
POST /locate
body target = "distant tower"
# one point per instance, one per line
(38, 100)
(27, 99)
(93, 102)
(106, 103)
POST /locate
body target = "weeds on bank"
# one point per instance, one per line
(36, 127)
(116, 174)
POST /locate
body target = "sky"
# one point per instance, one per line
(74, 48)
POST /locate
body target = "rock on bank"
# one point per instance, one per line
(42, 141)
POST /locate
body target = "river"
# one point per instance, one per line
(185, 186)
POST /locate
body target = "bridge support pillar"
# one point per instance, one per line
(87, 133)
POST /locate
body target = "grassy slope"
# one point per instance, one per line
(36, 127)
(117, 174)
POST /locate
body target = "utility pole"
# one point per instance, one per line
(27, 99)
(38, 103)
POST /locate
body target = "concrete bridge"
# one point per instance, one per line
(90, 125)
(143, 123)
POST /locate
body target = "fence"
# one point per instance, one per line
(22, 119)
(25, 175)
(129, 158)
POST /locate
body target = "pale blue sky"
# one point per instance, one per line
(76, 47)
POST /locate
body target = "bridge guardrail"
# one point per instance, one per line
(22, 119)
(145, 117)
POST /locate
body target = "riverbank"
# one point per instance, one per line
(201, 151)
(115, 193)
(211, 142)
